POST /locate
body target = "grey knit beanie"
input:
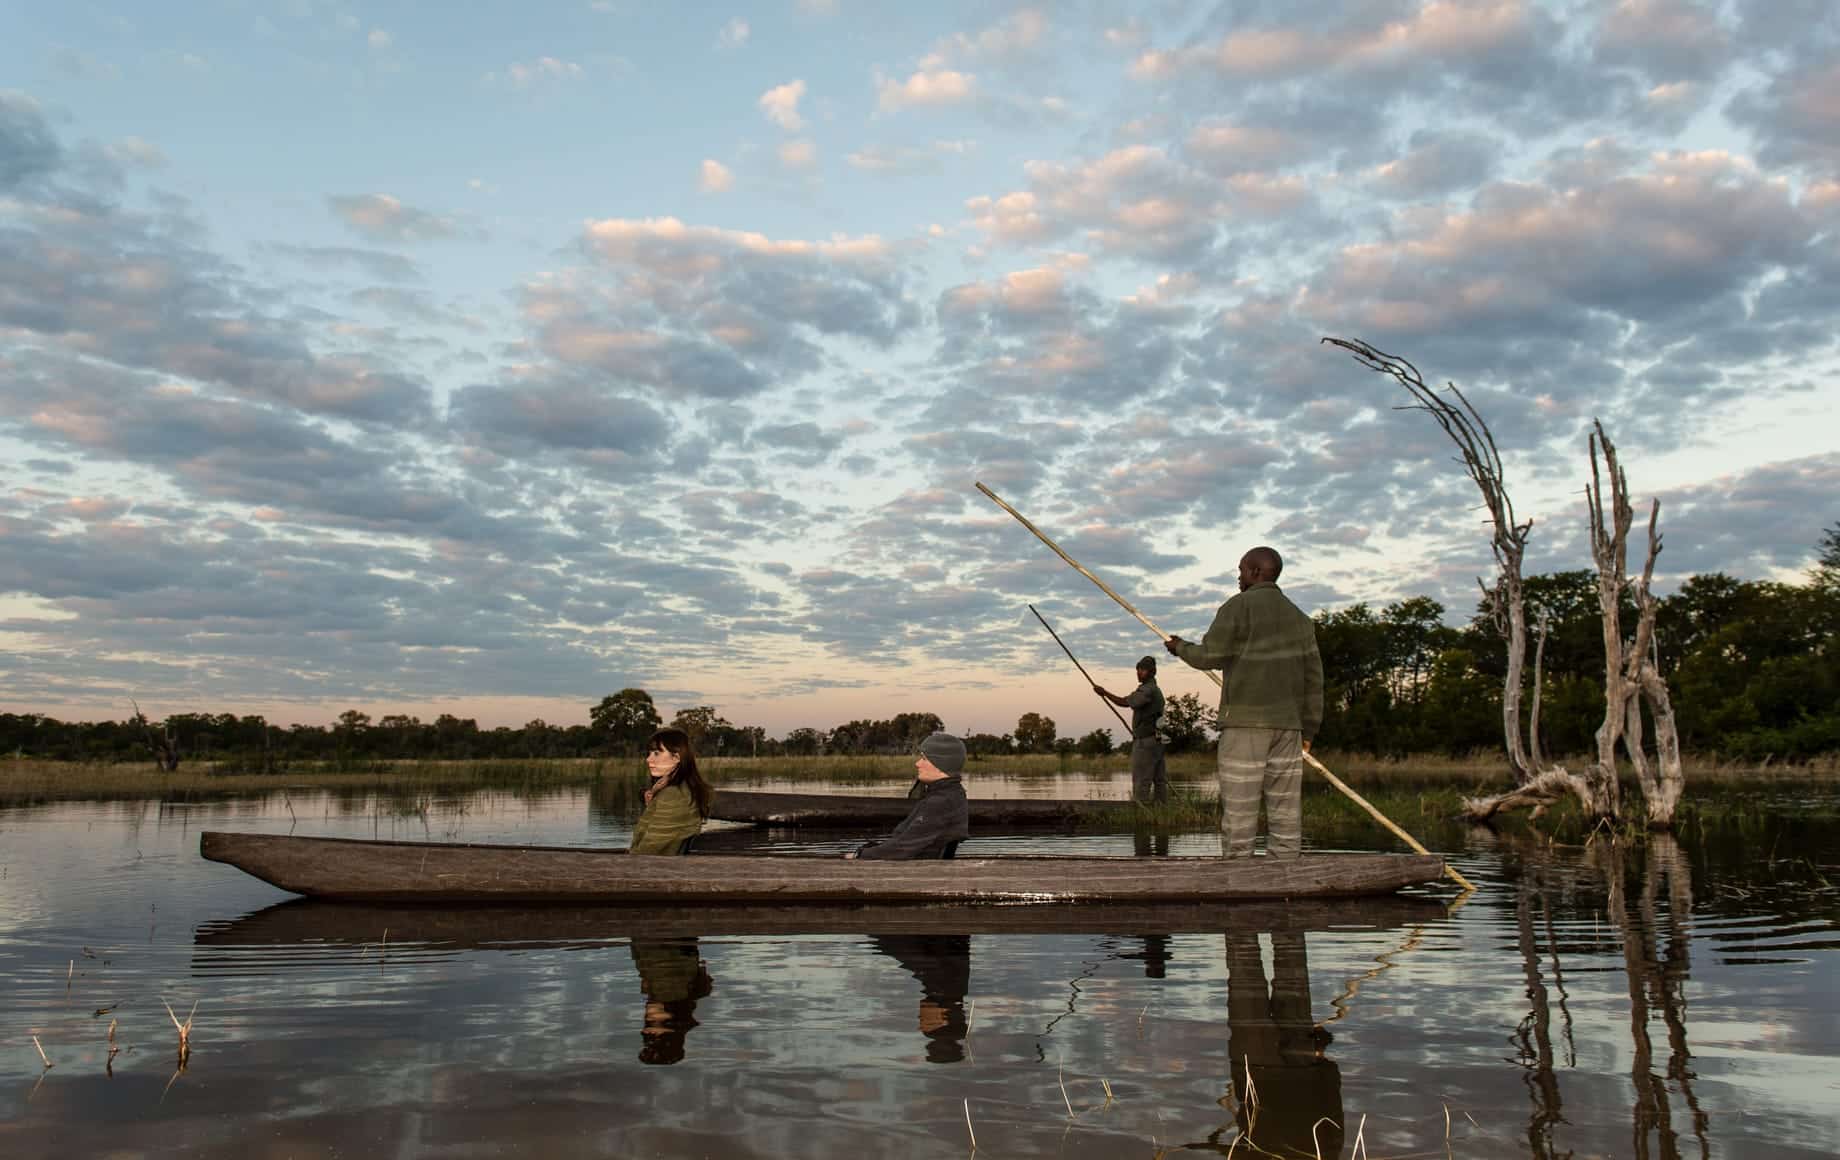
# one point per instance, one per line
(946, 752)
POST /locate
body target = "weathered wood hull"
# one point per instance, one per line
(819, 809)
(451, 872)
(305, 921)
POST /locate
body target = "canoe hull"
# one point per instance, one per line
(373, 871)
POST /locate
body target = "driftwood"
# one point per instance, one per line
(373, 871)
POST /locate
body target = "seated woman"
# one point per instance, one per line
(678, 799)
(940, 816)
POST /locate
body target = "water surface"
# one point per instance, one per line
(1678, 998)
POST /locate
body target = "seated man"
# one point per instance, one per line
(939, 816)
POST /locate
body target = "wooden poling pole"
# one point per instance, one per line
(1075, 565)
(1335, 781)
(1079, 666)
(1449, 870)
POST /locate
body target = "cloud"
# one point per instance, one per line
(927, 88)
(1669, 40)
(131, 290)
(714, 177)
(1530, 259)
(696, 311)
(1441, 31)
(734, 34)
(1019, 34)
(379, 264)
(1796, 114)
(1437, 162)
(798, 155)
(1133, 202)
(903, 160)
(28, 147)
(544, 70)
(1768, 516)
(379, 40)
(613, 433)
(781, 105)
(384, 218)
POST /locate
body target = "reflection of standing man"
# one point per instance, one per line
(1149, 772)
(1271, 702)
(1276, 1045)
(942, 963)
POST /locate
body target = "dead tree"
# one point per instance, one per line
(1508, 540)
(1631, 675)
(1536, 784)
(163, 746)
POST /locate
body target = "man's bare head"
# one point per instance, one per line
(1260, 566)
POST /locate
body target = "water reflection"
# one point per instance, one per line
(942, 963)
(673, 976)
(1286, 1093)
(1655, 947)
(1652, 999)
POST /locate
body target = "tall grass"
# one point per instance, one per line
(34, 779)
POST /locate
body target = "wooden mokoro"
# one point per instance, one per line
(303, 921)
(821, 809)
(454, 872)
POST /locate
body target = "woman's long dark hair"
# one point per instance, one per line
(677, 742)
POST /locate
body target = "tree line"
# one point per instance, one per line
(1753, 665)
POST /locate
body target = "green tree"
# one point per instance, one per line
(1098, 743)
(804, 742)
(625, 719)
(1827, 565)
(1186, 722)
(1035, 733)
(700, 722)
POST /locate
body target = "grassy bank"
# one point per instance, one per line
(30, 779)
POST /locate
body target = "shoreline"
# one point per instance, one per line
(28, 779)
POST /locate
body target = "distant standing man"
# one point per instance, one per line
(1149, 772)
(1271, 704)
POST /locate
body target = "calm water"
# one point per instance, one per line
(1678, 999)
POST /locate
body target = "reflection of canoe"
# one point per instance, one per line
(306, 920)
(453, 872)
(822, 809)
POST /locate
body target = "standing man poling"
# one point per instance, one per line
(1271, 704)
(1149, 771)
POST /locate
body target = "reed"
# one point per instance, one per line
(185, 1032)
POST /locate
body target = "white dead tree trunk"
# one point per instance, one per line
(1482, 461)
(1631, 676)
(162, 745)
(1536, 784)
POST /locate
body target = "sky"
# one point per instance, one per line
(488, 359)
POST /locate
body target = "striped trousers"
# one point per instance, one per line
(1258, 763)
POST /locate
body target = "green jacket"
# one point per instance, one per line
(667, 823)
(1265, 648)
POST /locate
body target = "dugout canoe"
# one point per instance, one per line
(316, 922)
(822, 809)
(377, 871)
